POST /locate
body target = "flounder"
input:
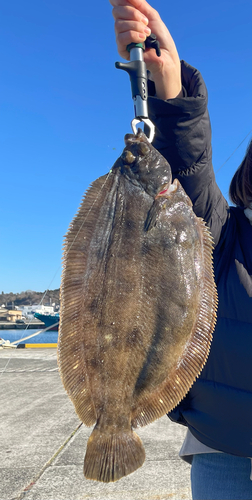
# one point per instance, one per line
(138, 305)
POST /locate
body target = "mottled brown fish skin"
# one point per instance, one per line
(138, 305)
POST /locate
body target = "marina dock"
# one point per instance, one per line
(7, 325)
(43, 442)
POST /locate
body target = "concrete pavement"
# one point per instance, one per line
(43, 443)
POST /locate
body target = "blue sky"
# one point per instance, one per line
(65, 110)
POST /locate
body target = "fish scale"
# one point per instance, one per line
(138, 305)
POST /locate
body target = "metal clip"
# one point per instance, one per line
(148, 124)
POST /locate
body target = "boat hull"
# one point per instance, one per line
(49, 321)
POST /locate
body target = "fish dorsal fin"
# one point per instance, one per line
(71, 345)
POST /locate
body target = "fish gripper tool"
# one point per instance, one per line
(136, 68)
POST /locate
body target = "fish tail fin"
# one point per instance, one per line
(112, 456)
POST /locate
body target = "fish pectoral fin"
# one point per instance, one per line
(153, 214)
(174, 192)
(110, 457)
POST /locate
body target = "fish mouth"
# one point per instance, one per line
(166, 190)
(137, 147)
(139, 137)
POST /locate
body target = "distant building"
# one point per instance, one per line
(3, 313)
(30, 310)
(10, 315)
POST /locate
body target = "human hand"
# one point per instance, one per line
(134, 21)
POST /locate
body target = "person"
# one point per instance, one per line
(218, 409)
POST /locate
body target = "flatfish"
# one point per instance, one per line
(138, 305)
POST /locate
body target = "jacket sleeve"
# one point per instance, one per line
(183, 137)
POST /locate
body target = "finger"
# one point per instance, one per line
(141, 5)
(116, 3)
(129, 13)
(122, 26)
(125, 38)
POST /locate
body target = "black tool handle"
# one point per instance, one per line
(136, 69)
(138, 77)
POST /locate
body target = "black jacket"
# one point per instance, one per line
(218, 408)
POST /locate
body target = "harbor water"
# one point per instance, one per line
(41, 338)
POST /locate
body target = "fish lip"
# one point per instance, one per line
(132, 138)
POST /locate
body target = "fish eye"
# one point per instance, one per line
(127, 157)
(143, 149)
